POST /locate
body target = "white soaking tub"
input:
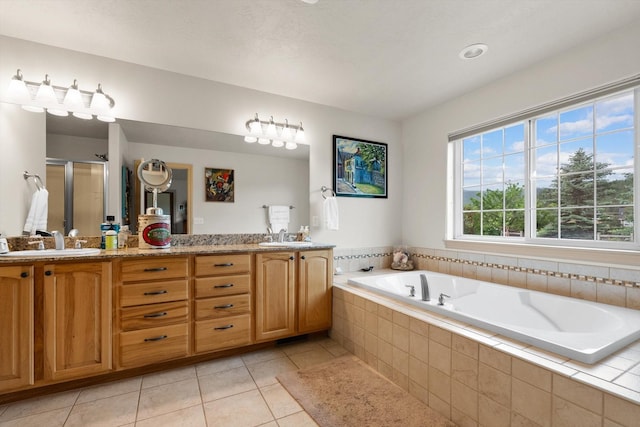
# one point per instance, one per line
(581, 330)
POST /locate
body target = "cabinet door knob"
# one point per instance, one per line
(24, 274)
(303, 257)
(48, 273)
(291, 258)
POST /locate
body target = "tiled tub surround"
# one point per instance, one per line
(606, 284)
(477, 378)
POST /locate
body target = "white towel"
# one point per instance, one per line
(279, 218)
(37, 217)
(330, 207)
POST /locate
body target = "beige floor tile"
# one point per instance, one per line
(40, 404)
(55, 418)
(264, 373)
(279, 400)
(168, 377)
(336, 349)
(188, 417)
(241, 410)
(312, 357)
(270, 424)
(300, 346)
(2, 408)
(225, 383)
(110, 412)
(218, 365)
(115, 388)
(168, 398)
(262, 356)
(300, 419)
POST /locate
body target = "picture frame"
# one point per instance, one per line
(219, 185)
(359, 167)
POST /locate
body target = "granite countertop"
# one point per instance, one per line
(177, 250)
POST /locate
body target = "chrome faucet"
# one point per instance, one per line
(425, 288)
(59, 239)
(281, 234)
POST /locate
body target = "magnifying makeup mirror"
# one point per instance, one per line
(156, 177)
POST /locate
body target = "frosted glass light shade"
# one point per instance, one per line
(18, 91)
(277, 143)
(286, 132)
(99, 102)
(263, 141)
(81, 115)
(291, 145)
(73, 99)
(45, 95)
(300, 134)
(57, 112)
(271, 129)
(106, 118)
(250, 139)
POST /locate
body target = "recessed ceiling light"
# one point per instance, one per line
(473, 51)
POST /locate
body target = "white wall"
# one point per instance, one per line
(75, 147)
(150, 95)
(424, 136)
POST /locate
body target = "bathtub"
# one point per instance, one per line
(581, 330)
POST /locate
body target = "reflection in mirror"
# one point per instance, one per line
(264, 175)
(156, 177)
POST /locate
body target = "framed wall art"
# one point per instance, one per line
(218, 185)
(359, 167)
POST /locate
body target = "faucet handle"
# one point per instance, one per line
(78, 243)
(441, 298)
(38, 242)
(412, 290)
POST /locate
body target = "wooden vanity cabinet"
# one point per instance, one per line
(293, 293)
(152, 303)
(222, 302)
(76, 319)
(315, 269)
(16, 327)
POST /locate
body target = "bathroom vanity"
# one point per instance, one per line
(93, 318)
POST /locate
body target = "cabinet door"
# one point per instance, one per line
(275, 295)
(16, 327)
(314, 290)
(77, 319)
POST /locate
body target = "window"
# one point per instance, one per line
(563, 176)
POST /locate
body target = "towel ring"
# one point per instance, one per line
(324, 189)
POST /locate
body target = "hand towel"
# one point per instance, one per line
(38, 212)
(279, 218)
(331, 217)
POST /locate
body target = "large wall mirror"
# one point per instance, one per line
(263, 175)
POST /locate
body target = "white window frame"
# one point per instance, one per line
(455, 235)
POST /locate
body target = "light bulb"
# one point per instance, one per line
(18, 91)
(263, 141)
(271, 128)
(106, 118)
(250, 139)
(291, 145)
(300, 134)
(45, 95)
(57, 112)
(277, 143)
(255, 127)
(81, 115)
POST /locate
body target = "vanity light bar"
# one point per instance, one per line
(274, 133)
(60, 101)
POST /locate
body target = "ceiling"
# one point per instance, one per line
(383, 58)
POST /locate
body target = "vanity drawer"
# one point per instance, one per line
(223, 285)
(151, 293)
(154, 315)
(154, 345)
(153, 268)
(215, 308)
(208, 265)
(222, 333)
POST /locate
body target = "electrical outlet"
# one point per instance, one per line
(198, 220)
(315, 221)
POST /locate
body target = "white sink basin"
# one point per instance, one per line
(53, 253)
(286, 244)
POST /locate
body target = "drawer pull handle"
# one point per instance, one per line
(156, 292)
(222, 328)
(152, 315)
(224, 306)
(226, 285)
(160, 338)
(226, 264)
(155, 269)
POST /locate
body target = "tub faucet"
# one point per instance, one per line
(425, 287)
(441, 298)
(59, 239)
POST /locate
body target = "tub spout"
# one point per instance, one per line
(425, 287)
